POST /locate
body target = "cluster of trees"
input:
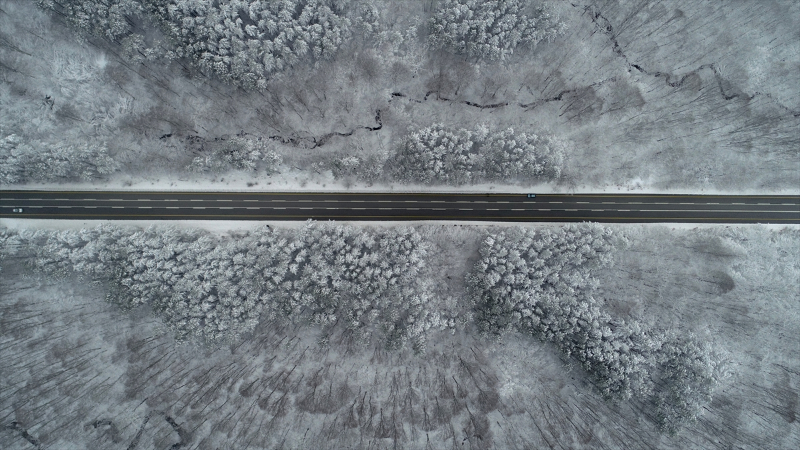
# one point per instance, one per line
(490, 29)
(22, 161)
(111, 19)
(440, 154)
(540, 283)
(241, 41)
(238, 153)
(246, 42)
(344, 166)
(218, 289)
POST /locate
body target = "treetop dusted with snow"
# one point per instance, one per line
(490, 30)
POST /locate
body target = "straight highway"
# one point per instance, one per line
(631, 208)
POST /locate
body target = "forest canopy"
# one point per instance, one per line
(241, 42)
(446, 155)
(491, 30)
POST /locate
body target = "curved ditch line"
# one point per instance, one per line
(311, 142)
(15, 426)
(319, 141)
(605, 26)
(526, 106)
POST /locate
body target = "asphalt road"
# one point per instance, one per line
(132, 205)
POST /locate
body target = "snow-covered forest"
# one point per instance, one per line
(456, 334)
(669, 96)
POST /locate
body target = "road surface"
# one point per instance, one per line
(631, 208)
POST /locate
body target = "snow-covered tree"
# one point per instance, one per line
(688, 372)
(245, 42)
(540, 283)
(237, 153)
(22, 161)
(490, 29)
(440, 154)
(105, 18)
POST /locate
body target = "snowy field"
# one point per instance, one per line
(80, 373)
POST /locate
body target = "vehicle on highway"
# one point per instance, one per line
(17, 210)
(531, 195)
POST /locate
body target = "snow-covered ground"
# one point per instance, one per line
(297, 181)
(123, 376)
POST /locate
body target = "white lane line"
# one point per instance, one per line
(712, 203)
(570, 210)
(280, 207)
(145, 207)
(440, 209)
(739, 203)
(465, 209)
(660, 203)
(279, 200)
(35, 206)
(502, 202)
(788, 204)
(609, 203)
(86, 199)
(198, 207)
(360, 208)
(331, 201)
(357, 201)
(492, 209)
(686, 203)
(544, 210)
(514, 209)
(142, 199)
(249, 200)
(386, 209)
(253, 207)
(384, 201)
(224, 200)
(195, 200)
(596, 210)
(553, 202)
(92, 207)
(577, 202)
(173, 207)
(171, 200)
(717, 210)
(410, 201)
(115, 200)
(305, 200)
(225, 207)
